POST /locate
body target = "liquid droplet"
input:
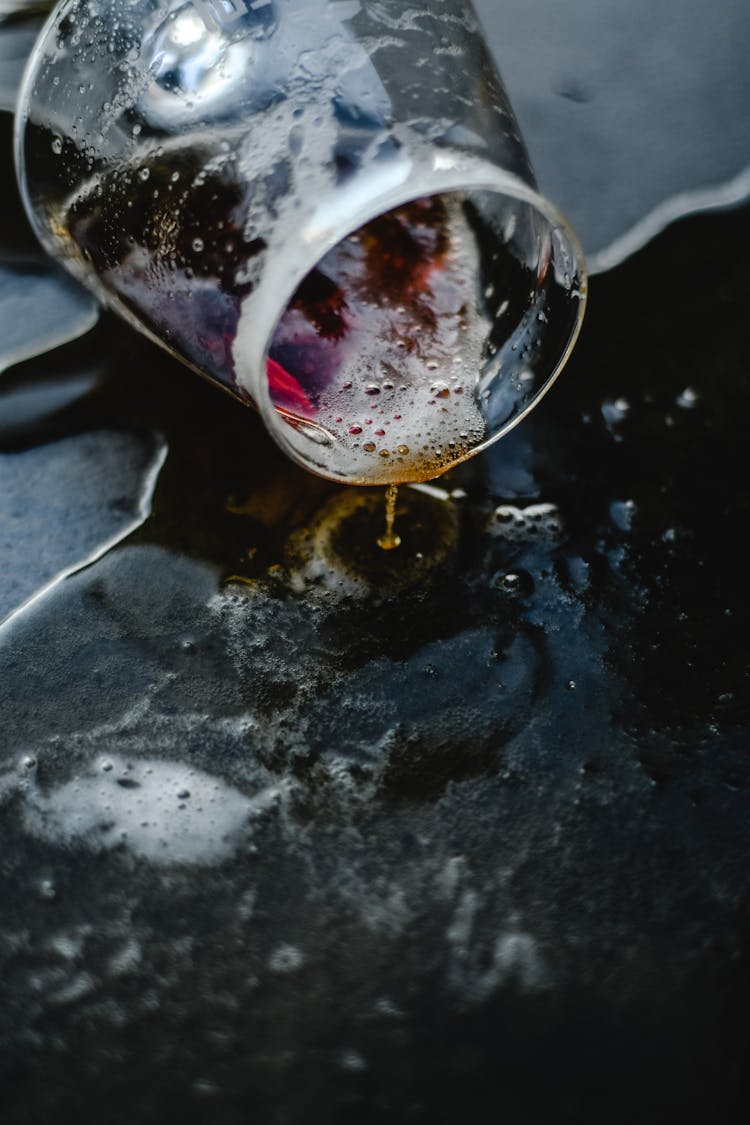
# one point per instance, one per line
(388, 541)
(687, 399)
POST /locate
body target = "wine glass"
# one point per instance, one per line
(326, 208)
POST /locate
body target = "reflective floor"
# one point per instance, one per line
(294, 830)
(289, 822)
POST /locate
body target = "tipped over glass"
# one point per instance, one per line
(326, 208)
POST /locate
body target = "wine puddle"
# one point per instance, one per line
(338, 549)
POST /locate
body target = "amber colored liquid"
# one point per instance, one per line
(388, 541)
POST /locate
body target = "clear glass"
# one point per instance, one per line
(324, 207)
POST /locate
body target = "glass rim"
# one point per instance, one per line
(446, 171)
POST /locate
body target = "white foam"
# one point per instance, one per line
(519, 524)
(163, 811)
(286, 959)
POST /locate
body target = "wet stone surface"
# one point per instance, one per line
(299, 830)
(295, 830)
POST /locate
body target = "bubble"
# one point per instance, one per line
(616, 411)
(369, 447)
(687, 399)
(198, 245)
(621, 513)
(286, 959)
(352, 1061)
(518, 524)
(204, 1088)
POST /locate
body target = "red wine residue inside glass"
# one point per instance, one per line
(381, 345)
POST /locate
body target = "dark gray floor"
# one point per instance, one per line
(295, 833)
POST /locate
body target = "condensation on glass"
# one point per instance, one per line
(324, 207)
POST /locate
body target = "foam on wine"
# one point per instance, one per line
(381, 346)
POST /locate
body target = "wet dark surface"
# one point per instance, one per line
(293, 830)
(472, 841)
